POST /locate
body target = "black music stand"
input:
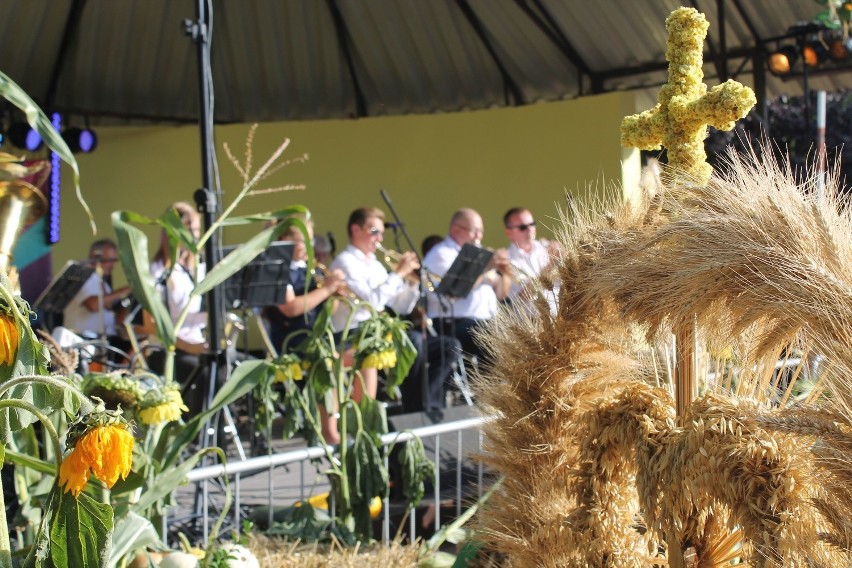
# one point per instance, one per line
(263, 281)
(464, 272)
(64, 287)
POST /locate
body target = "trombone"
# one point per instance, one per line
(392, 258)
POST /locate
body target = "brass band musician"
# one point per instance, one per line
(90, 312)
(460, 316)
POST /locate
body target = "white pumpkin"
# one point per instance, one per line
(240, 556)
(179, 560)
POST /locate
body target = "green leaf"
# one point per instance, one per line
(132, 533)
(243, 379)
(374, 418)
(304, 522)
(405, 356)
(416, 469)
(40, 549)
(435, 542)
(178, 235)
(43, 125)
(438, 559)
(39, 395)
(25, 460)
(468, 553)
(80, 534)
(166, 482)
(240, 257)
(133, 252)
(368, 478)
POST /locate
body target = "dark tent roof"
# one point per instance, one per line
(126, 61)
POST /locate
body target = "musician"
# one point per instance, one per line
(399, 291)
(301, 306)
(90, 312)
(528, 255)
(461, 316)
(176, 283)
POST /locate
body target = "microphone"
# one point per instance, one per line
(393, 225)
(331, 242)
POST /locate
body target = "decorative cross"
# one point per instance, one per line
(684, 107)
(679, 122)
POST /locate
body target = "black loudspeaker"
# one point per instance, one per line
(455, 452)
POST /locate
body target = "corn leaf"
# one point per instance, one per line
(43, 125)
(133, 253)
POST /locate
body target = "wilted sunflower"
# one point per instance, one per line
(288, 368)
(9, 338)
(385, 358)
(115, 389)
(104, 451)
(165, 405)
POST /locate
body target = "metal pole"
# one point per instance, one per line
(205, 197)
(820, 141)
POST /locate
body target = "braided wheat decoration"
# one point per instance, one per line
(598, 470)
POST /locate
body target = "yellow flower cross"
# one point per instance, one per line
(684, 107)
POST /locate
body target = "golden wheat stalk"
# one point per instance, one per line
(585, 442)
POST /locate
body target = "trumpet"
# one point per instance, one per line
(392, 259)
(321, 272)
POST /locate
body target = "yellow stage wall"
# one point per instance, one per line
(430, 165)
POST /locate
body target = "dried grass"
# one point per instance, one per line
(586, 433)
(278, 553)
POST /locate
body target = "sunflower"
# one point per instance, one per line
(385, 359)
(289, 368)
(9, 338)
(165, 408)
(103, 451)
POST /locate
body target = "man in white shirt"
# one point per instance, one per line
(528, 256)
(90, 311)
(398, 290)
(460, 316)
(369, 280)
(367, 277)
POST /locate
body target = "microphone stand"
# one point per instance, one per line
(205, 200)
(421, 302)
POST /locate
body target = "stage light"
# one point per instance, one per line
(23, 136)
(814, 52)
(781, 61)
(80, 139)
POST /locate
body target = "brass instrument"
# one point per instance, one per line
(392, 258)
(20, 204)
(320, 272)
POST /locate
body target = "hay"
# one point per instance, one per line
(279, 553)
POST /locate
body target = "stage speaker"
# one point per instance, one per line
(455, 453)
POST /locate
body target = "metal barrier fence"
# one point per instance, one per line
(238, 471)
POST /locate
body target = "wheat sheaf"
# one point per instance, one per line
(598, 469)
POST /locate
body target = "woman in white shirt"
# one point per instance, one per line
(176, 283)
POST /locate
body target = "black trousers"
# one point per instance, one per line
(424, 390)
(463, 329)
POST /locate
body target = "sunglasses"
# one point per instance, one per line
(375, 231)
(524, 227)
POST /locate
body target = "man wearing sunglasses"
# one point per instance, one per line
(397, 290)
(528, 255)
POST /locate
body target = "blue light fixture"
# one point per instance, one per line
(80, 139)
(24, 136)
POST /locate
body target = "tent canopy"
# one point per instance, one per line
(132, 62)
